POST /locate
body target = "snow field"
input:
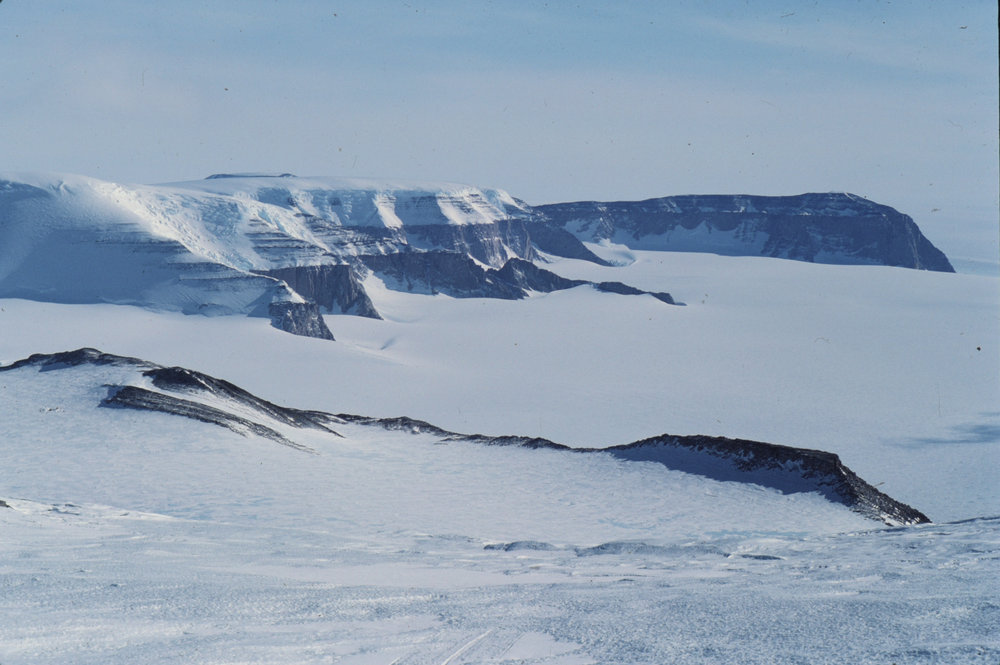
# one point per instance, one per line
(135, 536)
(895, 370)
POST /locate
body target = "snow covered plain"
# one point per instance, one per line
(145, 537)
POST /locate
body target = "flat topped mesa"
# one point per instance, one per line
(218, 176)
(836, 228)
(292, 249)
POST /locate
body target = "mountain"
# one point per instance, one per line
(821, 228)
(293, 249)
(276, 246)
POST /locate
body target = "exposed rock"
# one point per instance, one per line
(335, 288)
(458, 276)
(820, 228)
(788, 469)
(133, 397)
(450, 273)
(299, 318)
(785, 468)
(491, 244)
(181, 380)
(557, 241)
(221, 176)
(526, 276)
(86, 356)
(522, 545)
(625, 289)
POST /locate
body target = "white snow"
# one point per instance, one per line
(142, 537)
(194, 246)
(134, 536)
(454, 203)
(879, 365)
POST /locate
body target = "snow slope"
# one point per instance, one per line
(367, 202)
(78, 240)
(877, 365)
(141, 536)
(209, 246)
(132, 536)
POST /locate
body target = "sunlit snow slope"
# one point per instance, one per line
(232, 244)
(894, 370)
(240, 531)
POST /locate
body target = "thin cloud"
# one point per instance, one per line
(861, 43)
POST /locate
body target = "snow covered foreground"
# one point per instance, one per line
(156, 538)
(139, 537)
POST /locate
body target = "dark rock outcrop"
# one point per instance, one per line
(181, 380)
(450, 273)
(133, 397)
(784, 468)
(459, 276)
(490, 243)
(526, 276)
(557, 241)
(336, 289)
(820, 228)
(299, 318)
(626, 290)
(46, 362)
(787, 469)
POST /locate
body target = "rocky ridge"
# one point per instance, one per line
(191, 394)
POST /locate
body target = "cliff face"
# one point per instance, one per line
(336, 289)
(819, 228)
(292, 249)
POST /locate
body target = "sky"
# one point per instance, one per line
(552, 101)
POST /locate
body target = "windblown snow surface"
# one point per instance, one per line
(132, 536)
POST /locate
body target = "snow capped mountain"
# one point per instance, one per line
(236, 244)
(292, 248)
(836, 228)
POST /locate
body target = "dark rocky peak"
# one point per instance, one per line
(785, 468)
(84, 356)
(299, 318)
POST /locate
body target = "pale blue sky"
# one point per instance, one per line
(896, 101)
